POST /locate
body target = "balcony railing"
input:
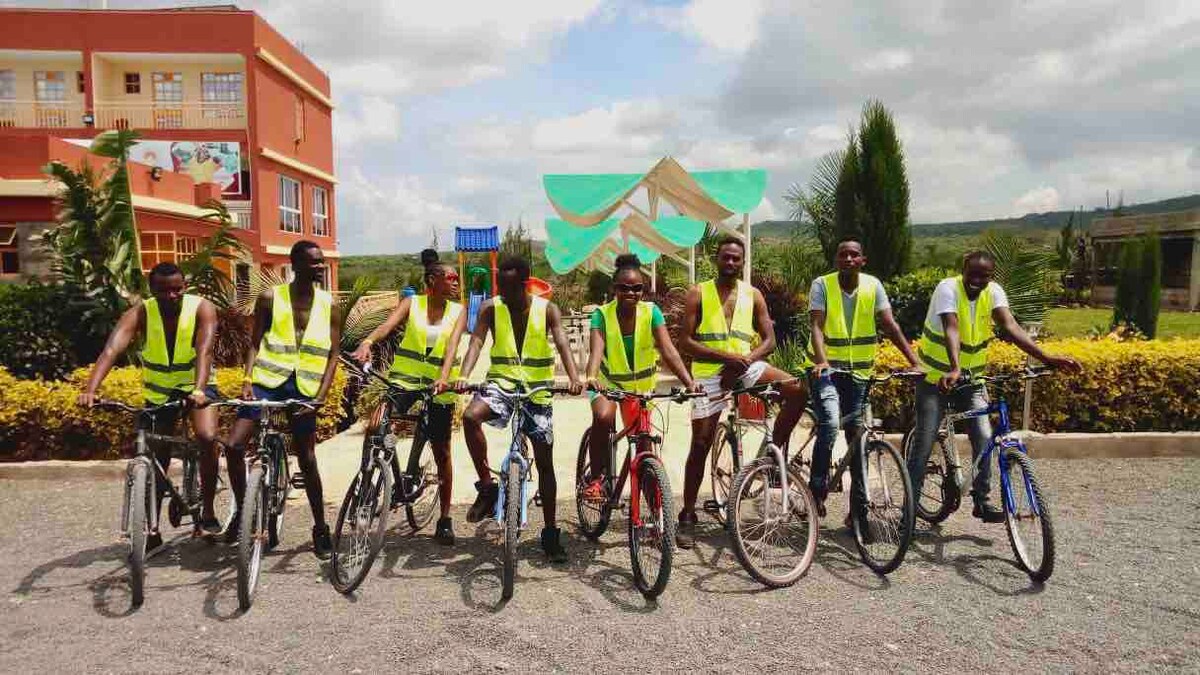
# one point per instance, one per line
(171, 115)
(40, 114)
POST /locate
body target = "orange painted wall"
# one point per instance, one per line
(127, 31)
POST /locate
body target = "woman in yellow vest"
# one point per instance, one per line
(958, 328)
(291, 356)
(627, 337)
(179, 331)
(430, 321)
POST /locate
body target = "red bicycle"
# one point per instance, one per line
(651, 521)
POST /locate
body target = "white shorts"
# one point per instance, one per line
(707, 407)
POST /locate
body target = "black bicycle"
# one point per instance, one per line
(362, 520)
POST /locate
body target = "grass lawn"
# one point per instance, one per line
(1063, 322)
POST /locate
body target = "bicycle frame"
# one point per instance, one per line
(639, 434)
(142, 452)
(779, 454)
(516, 454)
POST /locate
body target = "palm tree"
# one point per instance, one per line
(1024, 270)
(203, 275)
(816, 205)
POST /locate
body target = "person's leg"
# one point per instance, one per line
(305, 443)
(440, 416)
(930, 408)
(539, 427)
(852, 394)
(204, 427)
(703, 431)
(235, 464)
(604, 424)
(543, 457)
(979, 429)
(794, 392)
(827, 409)
(474, 417)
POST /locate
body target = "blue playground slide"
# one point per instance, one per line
(474, 301)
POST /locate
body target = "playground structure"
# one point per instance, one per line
(484, 239)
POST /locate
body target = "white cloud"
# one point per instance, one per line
(1037, 200)
(729, 27)
(371, 119)
(628, 128)
(886, 61)
(391, 213)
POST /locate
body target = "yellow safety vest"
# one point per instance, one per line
(163, 376)
(854, 347)
(714, 333)
(974, 337)
(533, 365)
(278, 355)
(616, 372)
(416, 365)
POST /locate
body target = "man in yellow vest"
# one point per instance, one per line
(846, 310)
(727, 331)
(291, 356)
(178, 332)
(958, 328)
(521, 326)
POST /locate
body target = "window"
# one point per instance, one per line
(289, 205)
(8, 84)
(320, 212)
(168, 87)
(133, 83)
(185, 247)
(298, 120)
(50, 85)
(221, 87)
(10, 257)
(79, 81)
(157, 247)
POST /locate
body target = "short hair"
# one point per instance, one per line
(731, 239)
(165, 269)
(978, 255)
(513, 263)
(299, 248)
(428, 257)
(626, 261)
(848, 238)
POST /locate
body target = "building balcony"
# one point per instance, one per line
(41, 114)
(170, 115)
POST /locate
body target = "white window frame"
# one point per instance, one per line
(291, 218)
(8, 84)
(320, 211)
(47, 89)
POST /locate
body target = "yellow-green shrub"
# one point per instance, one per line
(1124, 386)
(40, 420)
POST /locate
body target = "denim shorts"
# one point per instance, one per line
(539, 423)
(164, 422)
(301, 424)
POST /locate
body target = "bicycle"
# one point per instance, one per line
(651, 523)
(146, 482)
(267, 491)
(770, 514)
(883, 526)
(1026, 506)
(362, 519)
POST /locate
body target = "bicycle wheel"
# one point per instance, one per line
(253, 536)
(281, 482)
(512, 525)
(1030, 529)
(888, 514)
(595, 513)
(775, 547)
(652, 542)
(801, 442)
(723, 465)
(138, 528)
(361, 522)
(940, 495)
(191, 493)
(422, 484)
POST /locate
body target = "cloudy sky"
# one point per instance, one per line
(450, 112)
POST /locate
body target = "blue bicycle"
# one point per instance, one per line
(1026, 508)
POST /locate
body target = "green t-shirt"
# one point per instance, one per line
(656, 319)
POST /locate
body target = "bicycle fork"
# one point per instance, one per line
(520, 460)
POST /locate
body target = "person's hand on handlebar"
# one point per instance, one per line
(693, 387)
(575, 387)
(460, 385)
(87, 399)
(363, 353)
(949, 380)
(593, 384)
(198, 399)
(440, 386)
(1063, 362)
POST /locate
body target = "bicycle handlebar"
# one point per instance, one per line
(289, 403)
(125, 407)
(676, 394)
(904, 374)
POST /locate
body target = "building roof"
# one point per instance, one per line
(1175, 223)
(476, 238)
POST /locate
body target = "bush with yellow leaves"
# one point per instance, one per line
(1125, 386)
(40, 419)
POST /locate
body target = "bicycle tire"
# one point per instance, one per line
(422, 501)
(281, 480)
(723, 465)
(371, 502)
(512, 525)
(1022, 491)
(752, 488)
(657, 527)
(940, 495)
(594, 515)
(253, 535)
(889, 524)
(138, 528)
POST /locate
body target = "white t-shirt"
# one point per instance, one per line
(816, 297)
(945, 301)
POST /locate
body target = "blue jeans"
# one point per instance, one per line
(832, 399)
(931, 406)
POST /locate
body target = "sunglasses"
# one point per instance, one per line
(629, 288)
(450, 276)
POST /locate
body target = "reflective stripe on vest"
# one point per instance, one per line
(533, 365)
(854, 347)
(412, 367)
(278, 354)
(974, 337)
(615, 370)
(163, 376)
(738, 337)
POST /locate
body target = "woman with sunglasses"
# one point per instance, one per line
(431, 321)
(627, 338)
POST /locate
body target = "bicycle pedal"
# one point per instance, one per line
(297, 481)
(711, 506)
(537, 500)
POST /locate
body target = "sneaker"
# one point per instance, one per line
(552, 545)
(322, 546)
(210, 526)
(685, 532)
(987, 512)
(444, 533)
(485, 502)
(594, 490)
(153, 541)
(233, 532)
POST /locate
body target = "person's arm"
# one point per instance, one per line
(892, 330)
(118, 341)
(554, 321)
(765, 327)
(670, 355)
(953, 342)
(687, 335)
(399, 313)
(460, 327)
(816, 321)
(206, 337)
(483, 323)
(331, 364)
(262, 323)
(1014, 333)
(595, 356)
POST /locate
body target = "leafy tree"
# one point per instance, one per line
(815, 207)
(1023, 269)
(202, 274)
(1139, 284)
(516, 242)
(1065, 247)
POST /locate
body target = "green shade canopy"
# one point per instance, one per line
(569, 246)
